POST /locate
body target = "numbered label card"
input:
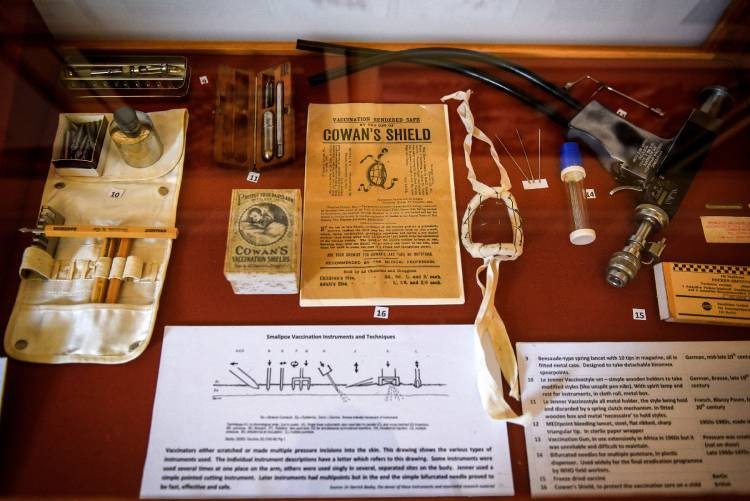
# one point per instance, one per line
(116, 193)
(381, 312)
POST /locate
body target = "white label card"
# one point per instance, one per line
(534, 184)
(322, 411)
(590, 193)
(381, 312)
(203, 79)
(639, 314)
(614, 419)
(253, 176)
(116, 193)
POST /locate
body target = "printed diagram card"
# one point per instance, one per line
(637, 418)
(322, 411)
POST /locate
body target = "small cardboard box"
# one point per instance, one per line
(91, 166)
(263, 241)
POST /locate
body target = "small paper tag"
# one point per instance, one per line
(590, 193)
(253, 176)
(726, 229)
(639, 314)
(535, 184)
(381, 312)
(203, 79)
(116, 193)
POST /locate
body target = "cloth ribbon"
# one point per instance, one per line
(493, 350)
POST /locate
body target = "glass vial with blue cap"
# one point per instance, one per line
(572, 175)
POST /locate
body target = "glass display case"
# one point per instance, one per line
(81, 429)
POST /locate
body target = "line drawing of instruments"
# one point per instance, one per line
(326, 371)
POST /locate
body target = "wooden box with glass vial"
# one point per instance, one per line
(254, 122)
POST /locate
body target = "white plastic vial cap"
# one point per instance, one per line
(584, 236)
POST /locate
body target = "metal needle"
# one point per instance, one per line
(511, 157)
(524, 154)
(539, 153)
